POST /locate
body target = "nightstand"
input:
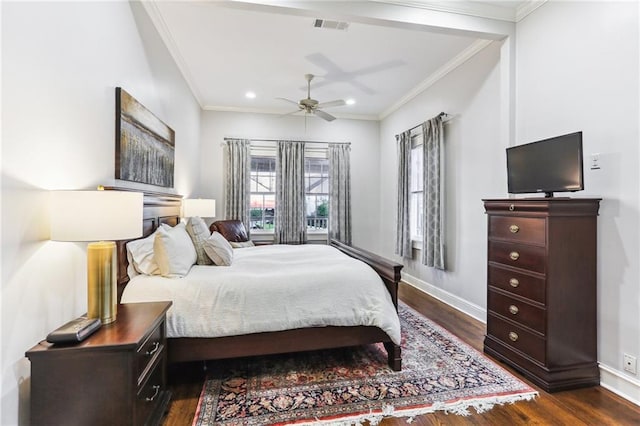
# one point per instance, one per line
(116, 376)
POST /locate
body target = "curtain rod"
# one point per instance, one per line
(278, 140)
(442, 114)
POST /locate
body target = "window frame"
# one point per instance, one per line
(310, 153)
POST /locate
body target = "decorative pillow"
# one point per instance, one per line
(218, 249)
(174, 251)
(242, 244)
(198, 231)
(142, 255)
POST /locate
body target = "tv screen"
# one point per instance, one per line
(546, 166)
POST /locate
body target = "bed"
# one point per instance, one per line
(162, 208)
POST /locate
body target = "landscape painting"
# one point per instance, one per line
(145, 146)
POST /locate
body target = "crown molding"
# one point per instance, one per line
(165, 34)
(526, 8)
(440, 73)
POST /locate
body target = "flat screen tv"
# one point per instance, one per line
(546, 166)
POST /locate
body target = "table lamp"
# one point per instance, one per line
(97, 216)
(201, 207)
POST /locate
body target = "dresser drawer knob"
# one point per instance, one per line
(513, 309)
(513, 336)
(514, 229)
(511, 207)
(513, 282)
(514, 255)
(156, 346)
(156, 388)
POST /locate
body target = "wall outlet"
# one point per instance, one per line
(630, 364)
(595, 161)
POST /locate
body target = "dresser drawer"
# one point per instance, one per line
(148, 351)
(518, 229)
(149, 395)
(531, 258)
(517, 337)
(517, 283)
(520, 312)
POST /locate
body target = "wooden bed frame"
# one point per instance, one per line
(165, 208)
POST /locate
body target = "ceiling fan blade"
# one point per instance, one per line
(336, 103)
(288, 100)
(324, 115)
(291, 113)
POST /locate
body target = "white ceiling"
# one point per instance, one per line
(225, 49)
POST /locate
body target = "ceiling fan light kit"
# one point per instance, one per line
(312, 106)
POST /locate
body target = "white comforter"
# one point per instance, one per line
(271, 288)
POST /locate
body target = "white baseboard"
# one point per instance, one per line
(610, 378)
(620, 384)
(452, 300)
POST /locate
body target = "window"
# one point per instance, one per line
(263, 191)
(415, 189)
(316, 184)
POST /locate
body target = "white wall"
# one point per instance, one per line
(61, 63)
(577, 69)
(362, 134)
(475, 169)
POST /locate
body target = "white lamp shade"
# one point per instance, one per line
(201, 207)
(95, 215)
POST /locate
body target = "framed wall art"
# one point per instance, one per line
(145, 146)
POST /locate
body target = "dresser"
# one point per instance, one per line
(541, 289)
(117, 376)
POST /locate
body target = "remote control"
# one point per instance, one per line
(75, 330)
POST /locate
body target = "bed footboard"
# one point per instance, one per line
(389, 271)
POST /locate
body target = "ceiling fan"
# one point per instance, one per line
(312, 106)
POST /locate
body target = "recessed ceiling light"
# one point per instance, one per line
(350, 101)
(250, 95)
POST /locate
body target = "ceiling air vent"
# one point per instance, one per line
(332, 25)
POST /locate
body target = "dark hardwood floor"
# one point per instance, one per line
(589, 406)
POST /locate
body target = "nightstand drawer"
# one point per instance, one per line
(517, 337)
(518, 229)
(517, 283)
(515, 310)
(149, 396)
(531, 258)
(148, 351)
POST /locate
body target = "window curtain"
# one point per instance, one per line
(291, 226)
(433, 205)
(237, 172)
(340, 193)
(403, 235)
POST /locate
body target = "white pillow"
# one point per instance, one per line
(141, 252)
(218, 249)
(198, 231)
(174, 251)
(242, 244)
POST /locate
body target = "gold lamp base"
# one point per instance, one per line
(102, 294)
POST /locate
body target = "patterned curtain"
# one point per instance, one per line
(339, 193)
(291, 224)
(433, 205)
(403, 235)
(238, 169)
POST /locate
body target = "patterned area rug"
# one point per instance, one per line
(350, 385)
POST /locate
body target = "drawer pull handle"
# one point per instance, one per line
(513, 282)
(156, 346)
(514, 255)
(513, 309)
(514, 229)
(155, 394)
(513, 336)
(511, 207)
